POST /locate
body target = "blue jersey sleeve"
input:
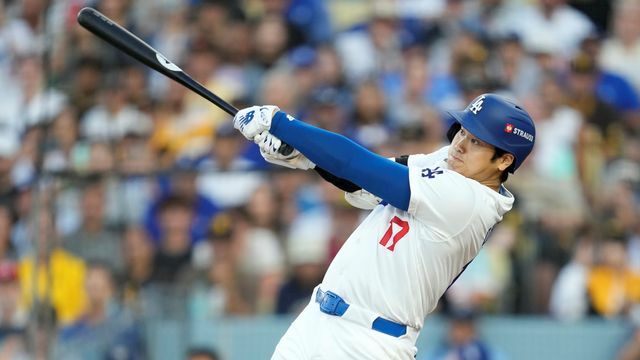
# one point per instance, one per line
(345, 159)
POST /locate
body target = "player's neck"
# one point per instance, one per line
(493, 183)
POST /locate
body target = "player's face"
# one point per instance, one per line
(472, 157)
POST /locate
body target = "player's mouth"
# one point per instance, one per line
(456, 158)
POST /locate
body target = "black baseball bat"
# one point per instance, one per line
(100, 25)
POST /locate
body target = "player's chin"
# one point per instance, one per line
(458, 167)
(454, 163)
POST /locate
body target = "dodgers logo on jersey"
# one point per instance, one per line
(476, 106)
(428, 173)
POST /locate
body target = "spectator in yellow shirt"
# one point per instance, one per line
(52, 276)
(612, 285)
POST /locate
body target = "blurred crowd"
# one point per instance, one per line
(124, 196)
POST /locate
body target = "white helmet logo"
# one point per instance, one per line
(166, 63)
(476, 106)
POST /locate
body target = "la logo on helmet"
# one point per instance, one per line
(476, 106)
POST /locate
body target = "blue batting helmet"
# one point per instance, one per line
(499, 122)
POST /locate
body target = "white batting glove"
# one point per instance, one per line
(253, 120)
(362, 199)
(269, 146)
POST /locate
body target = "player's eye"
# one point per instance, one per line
(462, 132)
(475, 142)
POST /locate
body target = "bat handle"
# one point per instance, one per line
(285, 149)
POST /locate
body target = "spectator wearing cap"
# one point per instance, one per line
(227, 152)
(463, 341)
(611, 87)
(328, 109)
(217, 292)
(182, 184)
(329, 70)
(303, 60)
(309, 20)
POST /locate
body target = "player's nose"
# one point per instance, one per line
(460, 145)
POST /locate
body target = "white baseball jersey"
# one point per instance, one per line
(399, 263)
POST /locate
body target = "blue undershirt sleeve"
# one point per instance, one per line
(346, 159)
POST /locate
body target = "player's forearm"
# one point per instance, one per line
(347, 160)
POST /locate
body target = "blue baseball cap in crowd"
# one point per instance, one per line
(500, 122)
(303, 57)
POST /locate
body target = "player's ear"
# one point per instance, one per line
(505, 161)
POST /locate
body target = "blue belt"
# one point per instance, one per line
(332, 304)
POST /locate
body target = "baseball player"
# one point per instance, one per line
(431, 214)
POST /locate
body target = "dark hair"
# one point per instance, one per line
(174, 201)
(505, 173)
(453, 130)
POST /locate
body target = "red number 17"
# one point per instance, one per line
(399, 234)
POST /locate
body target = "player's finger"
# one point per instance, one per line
(275, 143)
(261, 137)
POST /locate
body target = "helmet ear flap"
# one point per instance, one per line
(453, 130)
